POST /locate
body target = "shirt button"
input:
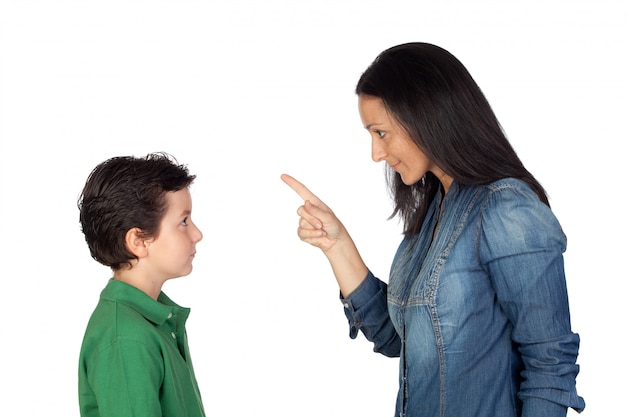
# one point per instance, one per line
(169, 316)
(346, 305)
(173, 335)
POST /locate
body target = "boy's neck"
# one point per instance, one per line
(140, 281)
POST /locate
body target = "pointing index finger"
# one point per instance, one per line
(300, 189)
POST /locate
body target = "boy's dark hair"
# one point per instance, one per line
(125, 192)
(440, 106)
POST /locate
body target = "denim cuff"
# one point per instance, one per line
(360, 297)
(367, 289)
(538, 407)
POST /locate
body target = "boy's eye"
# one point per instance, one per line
(185, 221)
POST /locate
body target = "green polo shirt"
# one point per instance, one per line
(134, 359)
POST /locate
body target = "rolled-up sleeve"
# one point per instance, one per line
(366, 310)
(522, 245)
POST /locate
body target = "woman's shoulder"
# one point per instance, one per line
(512, 195)
(500, 195)
(513, 186)
(513, 211)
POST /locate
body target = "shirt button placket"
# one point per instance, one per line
(169, 316)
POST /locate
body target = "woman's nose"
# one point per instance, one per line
(378, 150)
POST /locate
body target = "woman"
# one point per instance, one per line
(476, 307)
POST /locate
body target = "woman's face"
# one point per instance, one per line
(390, 143)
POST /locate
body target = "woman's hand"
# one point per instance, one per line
(321, 228)
(318, 224)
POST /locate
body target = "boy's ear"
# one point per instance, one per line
(136, 243)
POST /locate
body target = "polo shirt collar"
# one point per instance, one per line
(157, 311)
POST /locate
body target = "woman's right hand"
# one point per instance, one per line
(318, 224)
(321, 228)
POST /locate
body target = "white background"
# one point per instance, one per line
(242, 91)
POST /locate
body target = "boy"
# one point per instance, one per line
(135, 214)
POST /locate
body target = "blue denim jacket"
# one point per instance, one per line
(477, 314)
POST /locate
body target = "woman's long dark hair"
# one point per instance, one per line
(438, 103)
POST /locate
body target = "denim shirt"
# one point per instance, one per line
(476, 309)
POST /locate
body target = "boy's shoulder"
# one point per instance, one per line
(126, 313)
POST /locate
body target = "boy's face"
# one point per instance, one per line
(171, 253)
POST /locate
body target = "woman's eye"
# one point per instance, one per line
(381, 134)
(185, 221)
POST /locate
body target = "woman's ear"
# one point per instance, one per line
(136, 243)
